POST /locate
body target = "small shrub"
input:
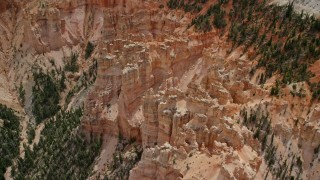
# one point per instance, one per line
(31, 135)
(89, 50)
(22, 93)
(72, 65)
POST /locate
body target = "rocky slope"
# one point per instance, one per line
(150, 83)
(309, 6)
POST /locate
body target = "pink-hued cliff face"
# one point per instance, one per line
(192, 101)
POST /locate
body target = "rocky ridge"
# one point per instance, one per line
(178, 93)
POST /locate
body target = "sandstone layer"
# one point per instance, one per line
(178, 93)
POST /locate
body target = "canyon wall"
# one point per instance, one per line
(177, 92)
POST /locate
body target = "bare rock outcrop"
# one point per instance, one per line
(192, 100)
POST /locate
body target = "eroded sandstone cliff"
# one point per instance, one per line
(189, 99)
